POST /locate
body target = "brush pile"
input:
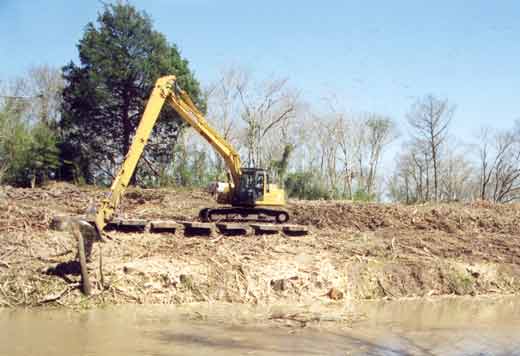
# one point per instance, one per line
(477, 217)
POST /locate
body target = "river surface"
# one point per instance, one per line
(447, 326)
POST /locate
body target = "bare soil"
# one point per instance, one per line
(354, 251)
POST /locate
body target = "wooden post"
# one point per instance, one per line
(85, 281)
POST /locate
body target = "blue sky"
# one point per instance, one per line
(372, 56)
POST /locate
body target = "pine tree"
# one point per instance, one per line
(121, 56)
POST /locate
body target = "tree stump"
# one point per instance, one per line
(82, 256)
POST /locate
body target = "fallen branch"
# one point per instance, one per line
(215, 240)
(126, 293)
(5, 302)
(8, 253)
(61, 254)
(5, 264)
(5, 295)
(55, 297)
(304, 317)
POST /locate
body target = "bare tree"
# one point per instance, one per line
(265, 109)
(224, 109)
(259, 118)
(346, 151)
(484, 157)
(379, 132)
(499, 165)
(410, 180)
(40, 93)
(45, 84)
(29, 110)
(400, 183)
(506, 173)
(345, 133)
(458, 174)
(422, 162)
(430, 118)
(327, 131)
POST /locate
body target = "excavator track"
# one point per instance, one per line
(188, 228)
(231, 213)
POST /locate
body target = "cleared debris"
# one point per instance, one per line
(359, 251)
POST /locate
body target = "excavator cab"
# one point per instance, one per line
(254, 194)
(254, 183)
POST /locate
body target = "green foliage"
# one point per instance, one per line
(199, 169)
(362, 195)
(281, 166)
(190, 167)
(14, 144)
(121, 57)
(181, 169)
(74, 165)
(28, 154)
(305, 185)
(309, 185)
(43, 153)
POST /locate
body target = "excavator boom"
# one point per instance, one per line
(165, 90)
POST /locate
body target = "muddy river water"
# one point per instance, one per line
(447, 326)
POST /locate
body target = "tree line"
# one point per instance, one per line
(76, 123)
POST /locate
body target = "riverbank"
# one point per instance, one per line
(353, 252)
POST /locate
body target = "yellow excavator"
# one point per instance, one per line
(249, 191)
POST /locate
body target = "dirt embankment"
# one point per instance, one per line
(354, 251)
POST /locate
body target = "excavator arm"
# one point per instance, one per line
(165, 90)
